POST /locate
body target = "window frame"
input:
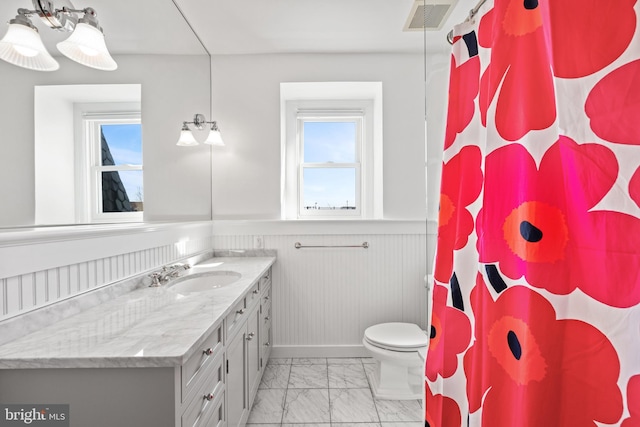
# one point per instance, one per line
(89, 167)
(345, 97)
(331, 116)
(333, 96)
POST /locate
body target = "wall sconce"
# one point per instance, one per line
(22, 45)
(186, 137)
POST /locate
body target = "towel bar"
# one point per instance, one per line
(299, 245)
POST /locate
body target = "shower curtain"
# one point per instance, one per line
(536, 300)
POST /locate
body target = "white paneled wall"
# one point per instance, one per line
(327, 297)
(41, 287)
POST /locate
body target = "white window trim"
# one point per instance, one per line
(309, 99)
(89, 176)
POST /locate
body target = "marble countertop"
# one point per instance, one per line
(147, 327)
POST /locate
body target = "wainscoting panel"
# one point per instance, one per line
(327, 297)
(26, 292)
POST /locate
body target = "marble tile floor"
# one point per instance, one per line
(326, 393)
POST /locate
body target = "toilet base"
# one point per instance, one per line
(393, 382)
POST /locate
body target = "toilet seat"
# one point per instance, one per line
(403, 337)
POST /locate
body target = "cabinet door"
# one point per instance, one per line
(236, 394)
(253, 352)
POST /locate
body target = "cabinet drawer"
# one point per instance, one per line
(266, 344)
(216, 418)
(209, 392)
(266, 295)
(266, 313)
(236, 317)
(253, 296)
(194, 367)
(265, 279)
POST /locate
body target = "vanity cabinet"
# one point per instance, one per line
(214, 387)
(245, 352)
(190, 395)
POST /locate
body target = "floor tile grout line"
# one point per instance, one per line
(329, 394)
(286, 392)
(372, 396)
(328, 390)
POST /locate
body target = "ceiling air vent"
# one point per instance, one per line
(429, 14)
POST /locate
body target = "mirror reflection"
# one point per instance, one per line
(255, 46)
(46, 118)
(88, 138)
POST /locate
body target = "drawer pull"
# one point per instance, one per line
(256, 291)
(267, 318)
(209, 396)
(266, 298)
(208, 351)
(250, 337)
(241, 311)
(267, 344)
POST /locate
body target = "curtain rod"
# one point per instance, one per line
(472, 13)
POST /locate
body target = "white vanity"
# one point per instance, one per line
(156, 356)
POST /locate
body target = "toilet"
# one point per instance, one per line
(399, 350)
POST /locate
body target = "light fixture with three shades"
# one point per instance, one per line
(22, 45)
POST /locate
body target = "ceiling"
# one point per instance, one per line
(311, 26)
(253, 26)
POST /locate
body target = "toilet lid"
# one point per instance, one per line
(396, 335)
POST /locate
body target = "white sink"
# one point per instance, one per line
(206, 281)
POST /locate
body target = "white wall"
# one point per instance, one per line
(324, 298)
(174, 88)
(246, 104)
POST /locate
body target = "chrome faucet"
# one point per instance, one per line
(165, 274)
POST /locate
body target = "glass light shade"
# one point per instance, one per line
(86, 46)
(214, 138)
(23, 47)
(186, 138)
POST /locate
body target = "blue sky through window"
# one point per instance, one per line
(125, 144)
(327, 187)
(329, 142)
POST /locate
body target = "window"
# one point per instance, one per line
(113, 188)
(332, 155)
(330, 163)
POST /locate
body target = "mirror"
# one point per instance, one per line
(156, 49)
(256, 45)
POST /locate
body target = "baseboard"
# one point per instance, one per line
(309, 351)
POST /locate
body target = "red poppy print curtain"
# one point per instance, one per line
(536, 301)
